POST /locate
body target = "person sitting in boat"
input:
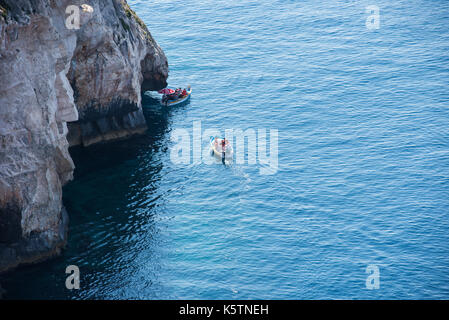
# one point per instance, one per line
(223, 145)
(174, 95)
(169, 97)
(184, 92)
(178, 93)
(216, 143)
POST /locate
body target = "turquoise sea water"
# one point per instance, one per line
(363, 162)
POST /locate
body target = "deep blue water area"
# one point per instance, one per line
(363, 162)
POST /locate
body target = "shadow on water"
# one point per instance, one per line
(113, 205)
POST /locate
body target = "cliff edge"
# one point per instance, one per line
(61, 85)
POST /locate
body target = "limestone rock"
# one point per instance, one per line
(115, 59)
(58, 83)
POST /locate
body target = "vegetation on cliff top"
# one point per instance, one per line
(3, 9)
(132, 15)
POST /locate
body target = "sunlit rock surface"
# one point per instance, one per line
(115, 59)
(58, 84)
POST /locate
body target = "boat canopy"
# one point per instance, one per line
(166, 91)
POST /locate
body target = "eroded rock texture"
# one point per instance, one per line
(50, 76)
(115, 59)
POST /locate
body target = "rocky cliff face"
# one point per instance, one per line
(115, 57)
(58, 85)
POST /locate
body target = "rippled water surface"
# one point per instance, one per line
(363, 175)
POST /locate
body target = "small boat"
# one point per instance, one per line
(215, 144)
(177, 101)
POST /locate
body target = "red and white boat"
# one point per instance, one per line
(172, 97)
